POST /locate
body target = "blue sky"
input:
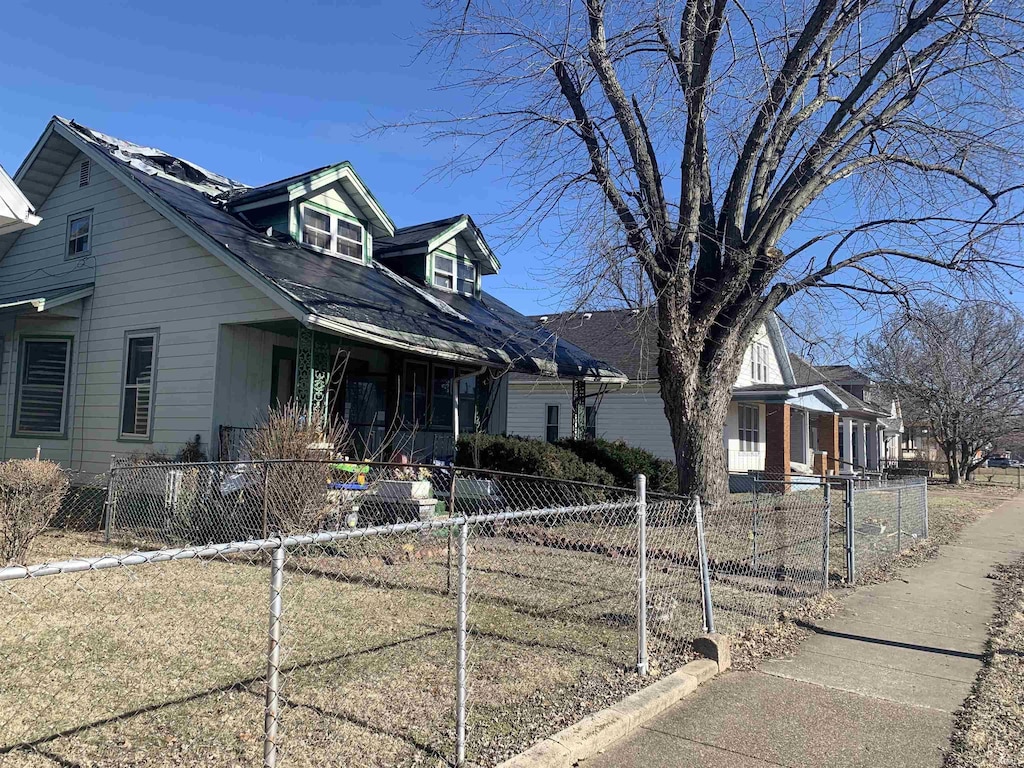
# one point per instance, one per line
(256, 91)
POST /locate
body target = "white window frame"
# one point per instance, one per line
(68, 256)
(22, 357)
(548, 425)
(453, 274)
(749, 435)
(147, 333)
(759, 367)
(333, 237)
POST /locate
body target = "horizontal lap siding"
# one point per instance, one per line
(635, 414)
(148, 274)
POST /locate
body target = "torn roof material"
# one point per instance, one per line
(366, 303)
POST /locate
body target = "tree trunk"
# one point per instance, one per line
(696, 378)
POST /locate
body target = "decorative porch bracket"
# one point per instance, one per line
(579, 409)
(313, 372)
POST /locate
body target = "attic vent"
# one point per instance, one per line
(84, 172)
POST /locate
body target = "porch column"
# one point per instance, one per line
(863, 447)
(847, 467)
(808, 457)
(579, 409)
(777, 456)
(313, 372)
(828, 440)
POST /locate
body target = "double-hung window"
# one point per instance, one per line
(749, 418)
(551, 423)
(331, 233)
(79, 238)
(452, 275)
(137, 394)
(42, 386)
(591, 426)
(759, 362)
(316, 229)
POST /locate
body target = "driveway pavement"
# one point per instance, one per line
(875, 686)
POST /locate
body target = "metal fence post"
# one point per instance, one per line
(755, 524)
(641, 575)
(460, 641)
(705, 574)
(924, 490)
(851, 557)
(1018, 478)
(266, 499)
(899, 520)
(273, 703)
(108, 504)
(826, 543)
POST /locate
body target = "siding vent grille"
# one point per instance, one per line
(84, 172)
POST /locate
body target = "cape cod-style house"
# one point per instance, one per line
(158, 300)
(776, 423)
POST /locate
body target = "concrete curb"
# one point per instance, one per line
(602, 729)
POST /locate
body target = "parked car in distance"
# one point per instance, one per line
(1002, 461)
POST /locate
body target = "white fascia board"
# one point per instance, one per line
(455, 352)
(344, 174)
(476, 242)
(218, 250)
(41, 303)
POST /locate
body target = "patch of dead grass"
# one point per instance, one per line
(989, 729)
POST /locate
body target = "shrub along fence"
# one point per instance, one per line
(414, 613)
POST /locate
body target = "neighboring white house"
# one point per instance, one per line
(157, 301)
(870, 425)
(16, 212)
(775, 423)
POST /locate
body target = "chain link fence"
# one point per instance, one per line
(884, 519)
(372, 614)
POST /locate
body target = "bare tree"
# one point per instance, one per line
(710, 159)
(961, 371)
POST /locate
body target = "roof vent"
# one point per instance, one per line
(634, 312)
(84, 173)
(587, 315)
(544, 319)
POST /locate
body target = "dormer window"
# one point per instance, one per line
(332, 233)
(452, 275)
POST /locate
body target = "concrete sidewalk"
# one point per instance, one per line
(876, 686)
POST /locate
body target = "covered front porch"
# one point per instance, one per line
(800, 434)
(395, 404)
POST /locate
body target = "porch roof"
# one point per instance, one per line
(815, 397)
(371, 304)
(48, 298)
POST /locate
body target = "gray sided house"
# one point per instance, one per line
(157, 301)
(775, 423)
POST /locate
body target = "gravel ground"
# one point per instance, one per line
(989, 730)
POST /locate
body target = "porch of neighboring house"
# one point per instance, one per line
(781, 431)
(394, 404)
(865, 445)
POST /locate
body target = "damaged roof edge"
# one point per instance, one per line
(459, 353)
(492, 356)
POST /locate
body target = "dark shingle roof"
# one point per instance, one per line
(370, 303)
(626, 339)
(846, 374)
(411, 237)
(807, 374)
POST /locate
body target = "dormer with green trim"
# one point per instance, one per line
(329, 210)
(448, 255)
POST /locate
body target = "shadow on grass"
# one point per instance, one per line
(243, 686)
